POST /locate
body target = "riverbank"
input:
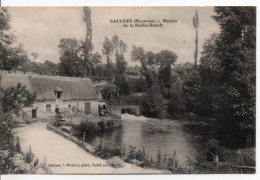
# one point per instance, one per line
(204, 135)
(154, 136)
(65, 157)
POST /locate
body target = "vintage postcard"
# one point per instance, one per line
(128, 90)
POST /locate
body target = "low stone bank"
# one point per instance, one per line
(71, 138)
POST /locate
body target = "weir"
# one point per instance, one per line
(123, 109)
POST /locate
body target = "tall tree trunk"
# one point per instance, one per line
(195, 21)
(88, 39)
(90, 72)
(1, 76)
(147, 73)
(196, 49)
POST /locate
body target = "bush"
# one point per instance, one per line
(214, 148)
(153, 102)
(101, 124)
(106, 152)
(110, 124)
(89, 127)
(108, 91)
(134, 154)
(6, 135)
(190, 115)
(249, 157)
(29, 156)
(11, 99)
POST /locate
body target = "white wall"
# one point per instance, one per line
(41, 106)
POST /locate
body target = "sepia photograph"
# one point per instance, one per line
(128, 90)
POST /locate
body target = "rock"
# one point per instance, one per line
(18, 162)
(21, 167)
(40, 171)
(27, 167)
(18, 170)
(66, 129)
(89, 148)
(18, 156)
(115, 162)
(135, 162)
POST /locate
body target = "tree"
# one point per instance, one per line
(191, 91)
(182, 70)
(153, 102)
(27, 66)
(14, 56)
(6, 135)
(177, 100)
(210, 72)
(50, 67)
(35, 56)
(100, 72)
(10, 55)
(11, 102)
(210, 65)
(87, 44)
(138, 54)
(95, 59)
(151, 58)
(120, 80)
(165, 59)
(137, 85)
(195, 21)
(10, 99)
(107, 50)
(14, 98)
(108, 91)
(236, 51)
(71, 63)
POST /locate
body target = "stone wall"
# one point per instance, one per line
(71, 138)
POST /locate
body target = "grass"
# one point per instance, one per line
(204, 135)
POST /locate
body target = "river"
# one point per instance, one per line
(151, 134)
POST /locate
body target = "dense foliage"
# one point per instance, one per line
(11, 99)
(153, 101)
(221, 87)
(11, 55)
(236, 51)
(108, 91)
(15, 98)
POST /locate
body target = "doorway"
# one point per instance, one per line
(34, 113)
(87, 108)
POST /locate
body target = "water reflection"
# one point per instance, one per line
(151, 134)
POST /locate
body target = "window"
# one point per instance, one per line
(48, 107)
(87, 108)
(59, 93)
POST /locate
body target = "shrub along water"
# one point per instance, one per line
(139, 157)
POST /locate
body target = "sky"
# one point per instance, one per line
(40, 29)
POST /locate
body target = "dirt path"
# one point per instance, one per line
(59, 151)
